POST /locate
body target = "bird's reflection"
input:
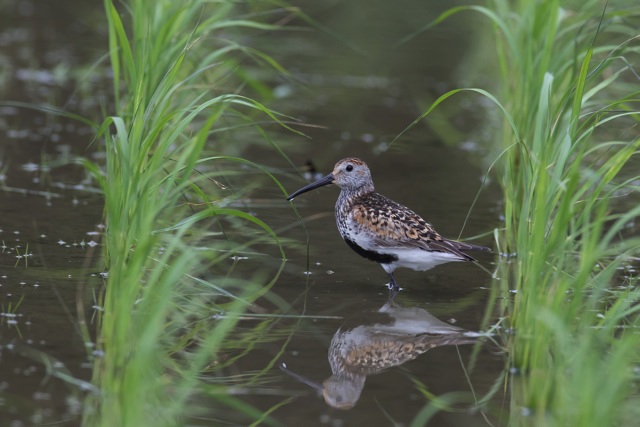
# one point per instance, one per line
(389, 337)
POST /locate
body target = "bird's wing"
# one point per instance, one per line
(396, 226)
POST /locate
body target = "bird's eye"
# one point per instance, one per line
(349, 168)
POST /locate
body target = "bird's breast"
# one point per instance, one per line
(354, 230)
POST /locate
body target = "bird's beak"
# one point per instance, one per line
(314, 385)
(319, 183)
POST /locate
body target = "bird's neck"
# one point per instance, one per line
(348, 196)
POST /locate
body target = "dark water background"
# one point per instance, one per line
(361, 90)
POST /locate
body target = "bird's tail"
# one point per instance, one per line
(469, 247)
(458, 248)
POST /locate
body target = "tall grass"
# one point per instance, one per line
(568, 90)
(569, 96)
(168, 227)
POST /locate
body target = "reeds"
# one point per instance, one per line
(168, 226)
(567, 87)
(567, 163)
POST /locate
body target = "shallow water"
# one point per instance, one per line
(340, 284)
(361, 97)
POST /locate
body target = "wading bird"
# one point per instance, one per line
(382, 230)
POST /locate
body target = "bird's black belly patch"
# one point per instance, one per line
(371, 255)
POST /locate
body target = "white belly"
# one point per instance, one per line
(418, 259)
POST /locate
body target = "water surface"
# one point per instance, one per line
(360, 90)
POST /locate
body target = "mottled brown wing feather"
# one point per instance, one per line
(387, 351)
(398, 226)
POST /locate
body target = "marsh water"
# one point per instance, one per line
(359, 90)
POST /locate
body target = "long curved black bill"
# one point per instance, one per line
(319, 183)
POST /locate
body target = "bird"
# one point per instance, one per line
(390, 337)
(384, 231)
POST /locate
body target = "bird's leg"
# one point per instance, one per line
(392, 294)
(393, 285)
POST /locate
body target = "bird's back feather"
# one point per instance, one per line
(392, 225)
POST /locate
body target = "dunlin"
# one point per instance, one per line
(382, 230)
